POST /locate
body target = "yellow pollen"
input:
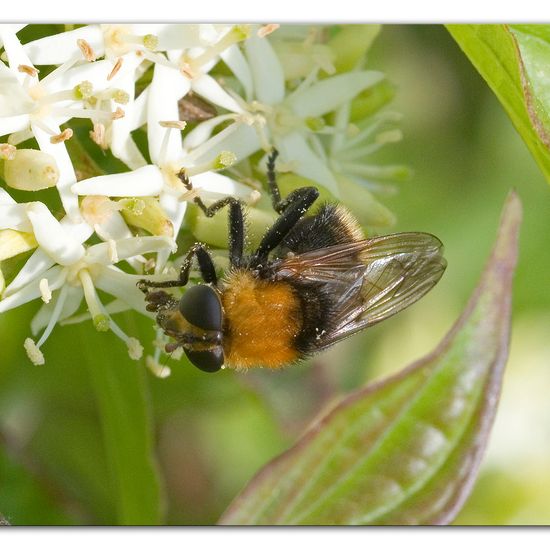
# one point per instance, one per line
(27, 69)
(86, 49)
(7, 151)
(176, 124)
(63, 136)
(267, 29)
(116, 68)
(119, 113)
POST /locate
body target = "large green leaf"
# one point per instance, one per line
(514, 62)
(120, 389)
(404, 450)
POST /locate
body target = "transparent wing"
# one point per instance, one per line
(370, 279)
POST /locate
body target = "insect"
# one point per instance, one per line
(313, 281)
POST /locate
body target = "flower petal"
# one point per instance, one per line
(67, 174)
(239, 138)
(11, 124)
(236, 61)
(294, 149)
(14, 216)
(56, 277)
(166, 89)
(328, 94)
(209, 88)
(203, 131)
(51, 236)
(58, 48)
(216, 186)
(16, 54)
(142, 182)
(267, 72)
(127, 248)
(73, 299)
(38, 263)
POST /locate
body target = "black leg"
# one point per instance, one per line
(297, 204)
(236, 220)
(206, 268)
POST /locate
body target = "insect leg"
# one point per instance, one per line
(206, 267)
(236, 220)
(279, 204)
(297, 204)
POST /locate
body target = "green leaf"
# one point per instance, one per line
(404, 450)
(514, 62)
(120, 390)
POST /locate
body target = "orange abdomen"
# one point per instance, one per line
(262, 321)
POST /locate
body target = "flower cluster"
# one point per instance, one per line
(107, 116)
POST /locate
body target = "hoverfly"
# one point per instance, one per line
(312, 281)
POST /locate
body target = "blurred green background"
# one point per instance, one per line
(212, 433)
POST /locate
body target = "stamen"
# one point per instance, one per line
(135, 349)
(113, 253)
(27, 69)
(59, 71)
(19, 137)
(224, 160)
(267, 29)
(97, 209)
(45, 290)
(176, 124)
(100, 319)
(86, 49)
(7, 151)
(116, 68)
(160, 371)
(56, 313)
(33, 352)
(119, 113)
(97, 135)
(63, 136)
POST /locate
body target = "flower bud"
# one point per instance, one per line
(14, 242)
(31, 170)
(150, 217)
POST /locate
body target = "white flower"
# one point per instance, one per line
(33, 107)
(62, 263)
(269, 117)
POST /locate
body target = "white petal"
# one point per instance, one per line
(126, 248)
(122, 286)
(172, 36)
(143, 182)
(52, 237)
(218, 186)
(72, 302)
(96, 73)
(208, 88)
(11, 124)
(167, 88)
(14, 216)
(294, 149)
(174, 209)
(56, 49)
(56, 277)
(15, 52)
(14, 99)
(267, 73)
(328, 94)
(203, 131)
(138, 117)
(35, 266)
(79, 231)
(113, 228)
(67, 176)
(239, 138)
(5, 197)
(236, 61)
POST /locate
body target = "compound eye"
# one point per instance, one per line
(201, 306)
(207, 361)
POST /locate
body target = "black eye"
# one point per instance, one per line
(201, 306)
(207, 361)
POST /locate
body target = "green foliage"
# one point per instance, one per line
(404, 450)
(513, 61)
